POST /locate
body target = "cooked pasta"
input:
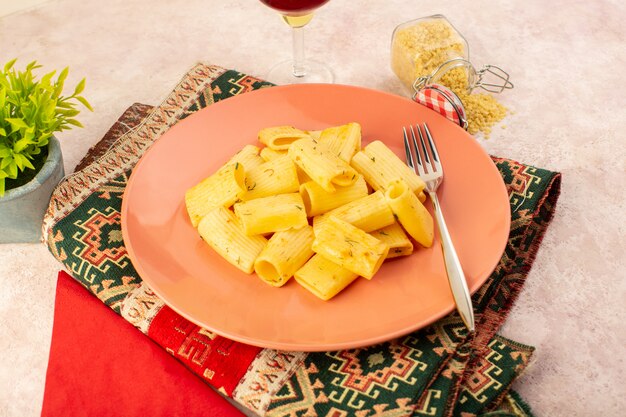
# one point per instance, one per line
(393, 235)
(277, 176)
(362, 204)
(319, 201)
(324, 278)
(268, 154)
(280, 138)
(221, 229)
(350, 247)
(284, 254)
(248, 156)
(321, 165)
(223, 188)
(379, 165)
(271, 214)
(367, 213)
(315, 134)
(411, 214)
(343, 141)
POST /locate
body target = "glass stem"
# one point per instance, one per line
(299, 66)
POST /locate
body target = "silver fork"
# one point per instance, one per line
(430, 170)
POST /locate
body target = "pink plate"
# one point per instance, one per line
(405, 295)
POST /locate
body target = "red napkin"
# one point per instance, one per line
(101, 366)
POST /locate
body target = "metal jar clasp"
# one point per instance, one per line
(490, 78)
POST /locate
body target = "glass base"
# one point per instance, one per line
(315, 72)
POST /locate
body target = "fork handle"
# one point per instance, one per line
(456, 277)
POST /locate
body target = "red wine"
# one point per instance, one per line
(295, 7)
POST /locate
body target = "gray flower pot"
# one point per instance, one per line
(22, 208)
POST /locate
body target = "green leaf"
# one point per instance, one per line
(11, 169)
(18, 161)
(63, 75)
(17, 123)
(80, 87)
(9, 65)
(1, 184)
(3, 132)
(45, 80)
(60, 82)
(31, 66)
(21, 144)
(84, 101)
(22, 162)
(68, 113)
(74, 122)
(6, 162)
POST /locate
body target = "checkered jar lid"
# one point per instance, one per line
(444, 101)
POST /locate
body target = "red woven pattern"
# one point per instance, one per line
(219, 360)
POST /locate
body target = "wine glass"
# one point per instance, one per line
(297, 13)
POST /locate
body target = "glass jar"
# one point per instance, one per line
(431, 59)
(421, 47)
(430, 50)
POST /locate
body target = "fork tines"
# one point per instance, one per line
(423, 154)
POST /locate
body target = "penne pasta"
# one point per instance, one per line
(277, 176)
(350, 247)
(223, 232)
(271, 214)
(379, 166)
(343, 141)
(321, 165)
(223, 188)
(393, 235)
(280, 138)
(411, 214)
(284, 254)
(367, 213)
(324, 278)
(268, 154)
(319, 201)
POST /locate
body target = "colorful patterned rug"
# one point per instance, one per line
(437, 371)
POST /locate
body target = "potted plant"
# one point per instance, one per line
(31, 163)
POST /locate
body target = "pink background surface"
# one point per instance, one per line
(566, 59)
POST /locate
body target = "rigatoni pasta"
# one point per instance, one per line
(271, 214)
(319, 201)
(379, 165)
(350, 247)
(248, 156)
(315, 134)
(277, 176)
(323, 177)
(343, 141)
(411, 212)
(324, 278)
(284, 254)
(280, 138)
(367, 213)
(398, 242)
(220, 189)
(221, 229)
(268, 154)
(323, 167)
